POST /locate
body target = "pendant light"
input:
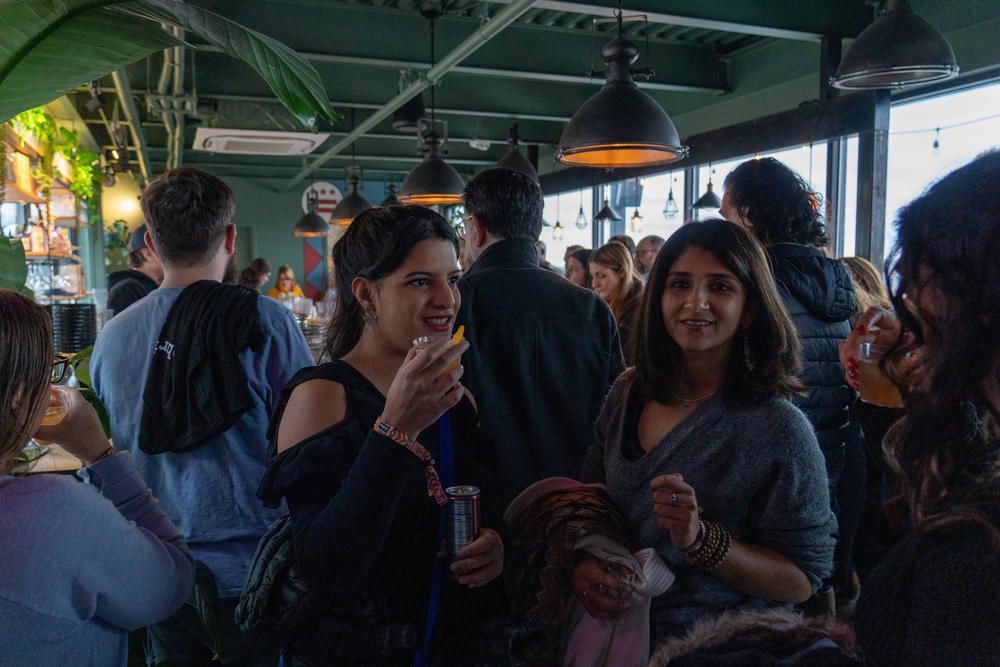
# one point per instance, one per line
(513, 159)
(407, 117)
(898, 49)
(607, 214)
(433, 181)
(620, 126)
(581, 219)
(353, 203)
(557, 232)
(311, 223)
(391, 199)
(709, 199)
(636, 222)
(671, 209)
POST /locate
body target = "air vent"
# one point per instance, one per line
(256, 142)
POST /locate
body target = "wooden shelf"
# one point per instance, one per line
(52, 256)
(14, 194)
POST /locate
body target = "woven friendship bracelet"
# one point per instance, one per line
(434, 488)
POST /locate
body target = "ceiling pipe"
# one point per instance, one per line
(486, 32)
(124, 92)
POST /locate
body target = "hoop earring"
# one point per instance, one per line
(747, 357)
(370, 316)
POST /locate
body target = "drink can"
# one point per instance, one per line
(462, 517)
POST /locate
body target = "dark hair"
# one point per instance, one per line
(137, 258)
(375, 244)
(616, 257)
(187, 211)
(948, 241)
(778, 203)
(26, 352)
(507, 202)
(625, 241)
(583, 256)
(250, 276)
(773, 342)
(655, 241)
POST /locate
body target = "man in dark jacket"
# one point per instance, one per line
(543, 352)
(777, 206)
(146, 274)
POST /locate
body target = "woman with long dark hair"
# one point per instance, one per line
(82, 564)
(359, 452)
(699, 446)
(936, 597)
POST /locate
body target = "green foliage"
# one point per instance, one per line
(42, 54)
(116, 244)
(13, 267)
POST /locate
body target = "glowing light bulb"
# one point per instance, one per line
(636, 222)
(581, 219)
(557, 232)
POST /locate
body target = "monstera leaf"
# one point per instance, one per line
(50, 46)
(13, 268)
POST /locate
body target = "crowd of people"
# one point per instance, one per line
(672, 463)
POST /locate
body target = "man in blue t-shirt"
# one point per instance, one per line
(207, 486)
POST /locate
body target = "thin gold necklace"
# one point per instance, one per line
(694, 400)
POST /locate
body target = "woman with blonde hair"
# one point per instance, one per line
(615, 279)
(869, 288)
(286, 288)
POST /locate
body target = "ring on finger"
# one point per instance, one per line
(586, 594)
(673, 498)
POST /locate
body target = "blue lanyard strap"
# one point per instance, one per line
(447, 464)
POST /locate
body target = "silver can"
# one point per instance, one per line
(462, 517)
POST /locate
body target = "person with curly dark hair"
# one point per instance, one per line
(935, 598)
(777, 206)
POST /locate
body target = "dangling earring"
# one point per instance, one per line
(747, 358)
(370, 316)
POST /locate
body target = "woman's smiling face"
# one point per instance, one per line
(703, 304)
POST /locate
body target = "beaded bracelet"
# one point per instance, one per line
(713, 549)
(434, 488)
(697, 540)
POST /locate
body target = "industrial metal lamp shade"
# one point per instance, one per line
(312, 223)
(433, 181)
(709, 199)
(391, 199)
(351, 205)
(620, 126)
(607, 214)
(896, 50)
(513, 159)
(407, 117)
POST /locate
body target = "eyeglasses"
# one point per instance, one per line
(60, 368)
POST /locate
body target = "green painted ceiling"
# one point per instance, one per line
(716, 63)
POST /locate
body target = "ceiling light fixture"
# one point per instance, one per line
(671, 209)
(311, 223)
(433, 181)
(607, 214)
(581, 219)
(407, 117)
(391, 199)
(620, 126)
(353, 203)
(513, 159)
(898, 49)
(636, 222)
(709, 199)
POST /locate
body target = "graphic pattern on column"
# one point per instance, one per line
(314, 259)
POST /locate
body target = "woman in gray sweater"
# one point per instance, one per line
(700, 448)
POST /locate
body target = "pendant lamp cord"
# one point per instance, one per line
(432, 66)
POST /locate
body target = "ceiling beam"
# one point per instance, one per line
(264, 99)
(494, 72)
(486, 32)
(783, 19)
(124, 90)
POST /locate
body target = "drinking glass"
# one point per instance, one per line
(876, 388)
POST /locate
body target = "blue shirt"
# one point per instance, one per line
(78, 570)
(210, 492)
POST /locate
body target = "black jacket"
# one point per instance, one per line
(819, 294)
(543, 353)
(127, 287)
